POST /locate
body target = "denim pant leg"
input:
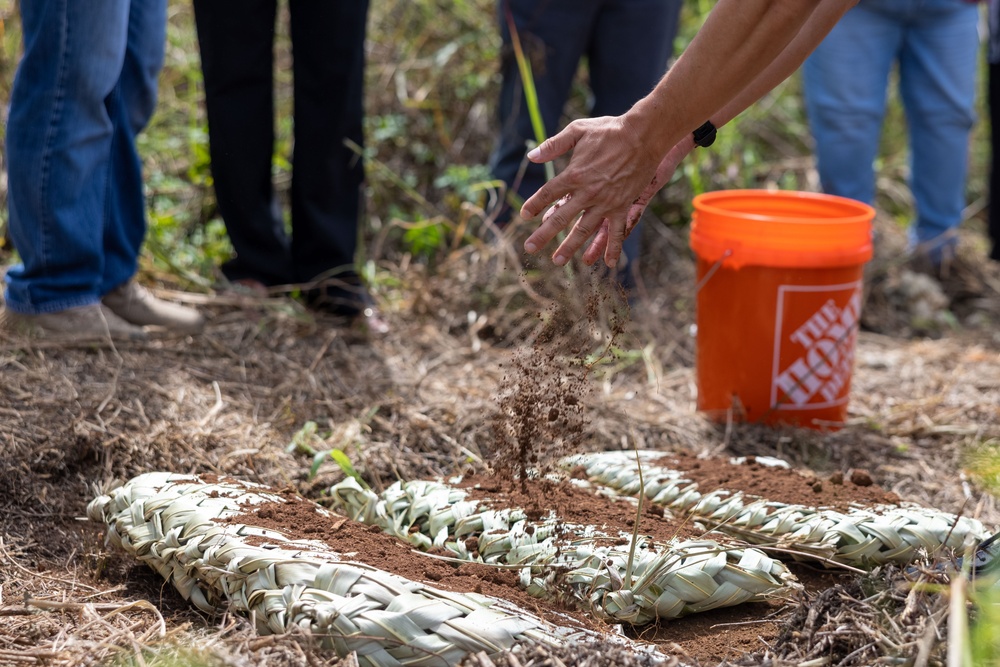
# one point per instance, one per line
(59, 147)
(633, 42)
(845, 82)
(131, 106)
(937, 74)
(554, 35)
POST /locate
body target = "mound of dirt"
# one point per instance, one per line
(756, 480)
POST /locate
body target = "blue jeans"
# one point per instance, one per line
(85, 87)
(935, 43)
(627, 44)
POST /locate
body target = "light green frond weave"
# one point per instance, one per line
(669, 579)
(860, 536)
(177, 525)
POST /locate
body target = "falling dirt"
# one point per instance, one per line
(542, 394)
(580, 507)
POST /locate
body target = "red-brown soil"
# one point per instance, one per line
(706, 638)
(780, 484)
(299, 519)
(578, 506)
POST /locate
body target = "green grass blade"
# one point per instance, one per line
(530, 93)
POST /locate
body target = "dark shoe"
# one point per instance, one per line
(250, 287)
(135, 304)
(86, 323)
(985, 559)
(340, 299)
(353, 303)
(373, 322)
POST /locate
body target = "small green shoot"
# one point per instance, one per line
(308, 442)
(303, 439)
(342, 460)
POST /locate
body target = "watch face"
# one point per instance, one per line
(704, 136)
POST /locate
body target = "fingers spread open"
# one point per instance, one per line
(584, 228)
(616, 236)
(558, 186)
(596, 248)
(554, 221)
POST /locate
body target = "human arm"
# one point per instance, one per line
(819, 23)
(619, 160)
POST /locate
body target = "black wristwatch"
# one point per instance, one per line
(704, 136)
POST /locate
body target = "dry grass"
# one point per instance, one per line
(419, 402)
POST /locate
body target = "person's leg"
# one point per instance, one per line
(236, 40)
(632, 44)
(938, 85)
(631, 47)
(130, 107)
(328, 40)
(994, 210)
(845, 81)
(59, 143)
(554, 35)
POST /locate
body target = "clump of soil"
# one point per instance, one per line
(542, 394)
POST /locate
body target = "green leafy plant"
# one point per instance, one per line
(307, 441)
(425, 238)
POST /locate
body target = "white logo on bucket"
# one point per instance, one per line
(813, 363)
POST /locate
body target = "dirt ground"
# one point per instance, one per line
(439, 396)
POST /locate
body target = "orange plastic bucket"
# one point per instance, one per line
(778, 304)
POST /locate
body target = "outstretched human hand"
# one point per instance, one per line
(744, 49)
(598, 247)
(611, 167)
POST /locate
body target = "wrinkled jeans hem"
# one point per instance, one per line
(50, 306)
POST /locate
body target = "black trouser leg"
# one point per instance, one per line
(236, 41)
(328, 54)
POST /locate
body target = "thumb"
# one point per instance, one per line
(555, 146)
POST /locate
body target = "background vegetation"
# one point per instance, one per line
(431, 85)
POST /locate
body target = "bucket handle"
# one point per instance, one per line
(712, 269)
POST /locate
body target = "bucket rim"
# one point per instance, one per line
(704, 202)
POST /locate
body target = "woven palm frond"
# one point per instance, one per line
(182, 527)
(667, 580)
(859, 536)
